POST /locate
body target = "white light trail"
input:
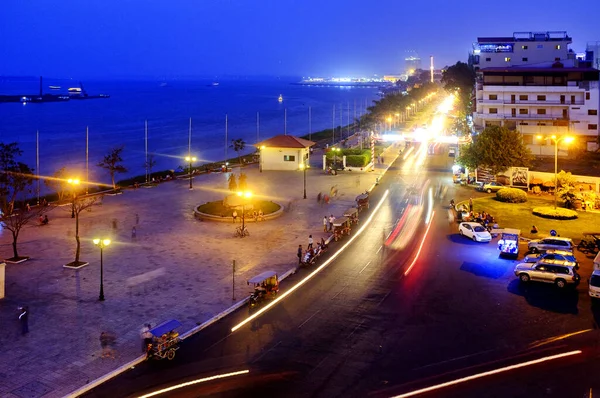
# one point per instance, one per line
(316, 271)
(191, 383)
(489, 373)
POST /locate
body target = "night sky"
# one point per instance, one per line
(203, 38)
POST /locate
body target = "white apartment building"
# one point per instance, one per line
(522, 48)
(541, 100)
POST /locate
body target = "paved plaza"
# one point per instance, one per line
(175, 267)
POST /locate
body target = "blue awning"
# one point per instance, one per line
(165, 327)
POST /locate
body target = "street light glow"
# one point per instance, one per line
(73, 181)
(190, 158)
(101, 242)
(246, 194)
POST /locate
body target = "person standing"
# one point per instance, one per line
(299, 254)
(325, 223)
(146, 337)
(24, 320)
(234, 215)
(331, 220)
(310, 242)
(470, 205)
(319, 198)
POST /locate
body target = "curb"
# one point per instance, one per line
(209, 217)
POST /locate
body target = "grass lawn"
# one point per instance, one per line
(518, 215)
(217, 209)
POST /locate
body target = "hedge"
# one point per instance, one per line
(556, 214)
(511, 195)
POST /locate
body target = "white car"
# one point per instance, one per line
(474, 231)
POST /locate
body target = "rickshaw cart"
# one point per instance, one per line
(165, 340)
(362, 201)
(341, 227)
(352, 214)
(509, 242)
(266, 286)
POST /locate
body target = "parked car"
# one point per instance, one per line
(489, 187)
(553, 242)
(560, 275)
(474, 231)
(594, 288)
(556, 256)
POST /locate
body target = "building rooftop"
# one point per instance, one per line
(528, 36)
(285, 141)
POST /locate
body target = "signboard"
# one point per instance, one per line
(496, 48)
(519, 177)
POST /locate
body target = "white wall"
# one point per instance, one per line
(272, 158)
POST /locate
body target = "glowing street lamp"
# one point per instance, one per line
(245, 195)
(190, 159)
(567, 139)
(74, 182)
(102, 243)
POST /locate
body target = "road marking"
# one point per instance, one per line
(319, 364)
(359, 325)
(309, 318)
(488, 373)
(191, 383)
(338, 293)
(378, 250)
(364, 268)
(266, 352)
(455, 359)
(384, 297)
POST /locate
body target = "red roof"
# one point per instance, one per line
(285, 141)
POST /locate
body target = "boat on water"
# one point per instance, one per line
(215, 83)
(54, 87)
(280, 99)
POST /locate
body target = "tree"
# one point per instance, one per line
(565, 186)
(149, 164)
(15, 180)
(243, 182)
(232, 183)
(460, 78)
(496, 148)
(58, 183)
(112, 163)
(17, 220)
(78, 206)
(238, 146)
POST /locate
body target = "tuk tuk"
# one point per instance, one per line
(266, 286)
(341, 227)
(352, 214)
(165, 340)
(362, 201)
(509, 242)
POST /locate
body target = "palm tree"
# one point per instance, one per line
(238, 145)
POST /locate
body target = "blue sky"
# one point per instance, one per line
(187, 38)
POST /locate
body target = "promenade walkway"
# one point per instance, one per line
(176, 267)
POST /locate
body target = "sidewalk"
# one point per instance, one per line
(176, 267)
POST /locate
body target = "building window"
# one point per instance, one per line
(592, 127)
(525, 59)
(540, 46)
(541, 111)
(523, 124)
(557, 59)
(507, 59)
(524, 47)
(592, 112)
(587, 95)
(523, 97)
(541, 98)
(488, 60)
(557, 47)
(493, 97)
(493, 110)
(289, 158)
(523, 112)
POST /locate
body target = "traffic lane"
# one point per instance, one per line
(188, 363)
(466, 312)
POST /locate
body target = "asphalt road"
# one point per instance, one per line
(377, 322)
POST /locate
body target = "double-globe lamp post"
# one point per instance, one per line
(303, 166)
(567, 139)
(102, 243)
(74, 182)
(190, 159)
(246, 196)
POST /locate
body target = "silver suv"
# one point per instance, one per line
(560, 275)
(560, 257)
(553, 242)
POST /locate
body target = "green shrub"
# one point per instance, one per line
(511, 195)
(556, 214)
(356, 161)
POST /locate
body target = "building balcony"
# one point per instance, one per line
(529, 102)
(504, 116)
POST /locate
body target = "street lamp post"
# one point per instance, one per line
(102, 243)
(245, 195)
(567, 139)
(190, 159)
(74, 182)
(303, 167)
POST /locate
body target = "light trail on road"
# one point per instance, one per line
(316, 271)
(191, 383)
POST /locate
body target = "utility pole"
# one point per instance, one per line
(233, 281)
